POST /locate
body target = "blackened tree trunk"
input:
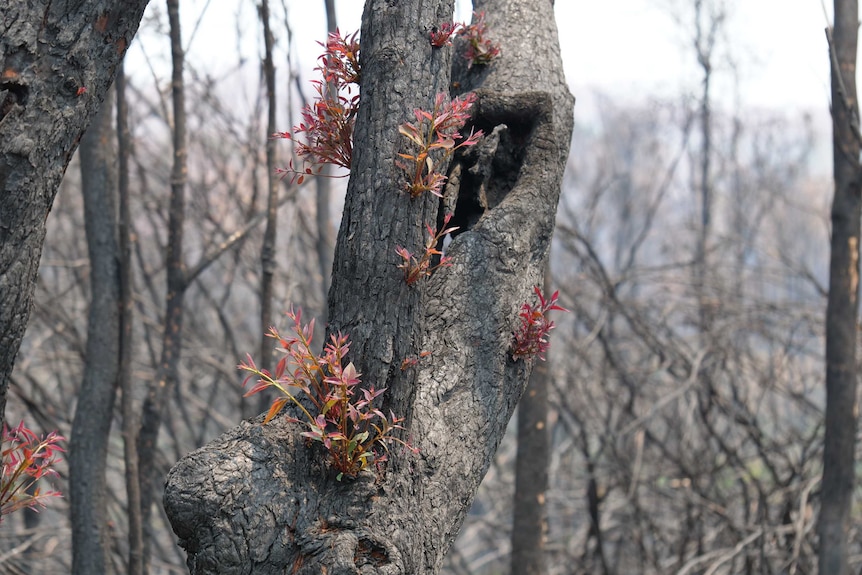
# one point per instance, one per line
(57, 62)
(257, 500)
(529, 521)
(843, 304)
(88, 446)
(529, 524)
(708, 18)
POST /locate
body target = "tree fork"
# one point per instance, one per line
(258, 499)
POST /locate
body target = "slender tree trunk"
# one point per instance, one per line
(167, 376)
(42, 115)
(707, 23)
(529, 525)
(286, 512)
(843, 305)
(88, 446)
(268, 251)
(325, 231)
(130, 416)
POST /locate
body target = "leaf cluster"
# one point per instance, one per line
(327, 123)
(26, 458)
(414, 269)
(337, 412)
(531, 338)
(435, 136)
(480, 50)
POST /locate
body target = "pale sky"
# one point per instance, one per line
(627, 49)
(634, 47)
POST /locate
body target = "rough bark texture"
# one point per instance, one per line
(88, 446)
(258, 500)
(48, 52)
(843, 305)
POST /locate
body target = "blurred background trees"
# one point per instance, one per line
(685, 390)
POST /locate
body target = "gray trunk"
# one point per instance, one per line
(88, 446)
(257, 500)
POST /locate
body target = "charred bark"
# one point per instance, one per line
(257, 499)
(529, 521)
(88, 447)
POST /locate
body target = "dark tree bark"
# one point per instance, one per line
(88, 446)
(843, 304)
(257, 500)
(529, 522)
(47, 54)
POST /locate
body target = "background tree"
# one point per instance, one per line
(842, 311)
(88, 445)
(529, 518)
(135, 561)
(178, 280)
(268, 250)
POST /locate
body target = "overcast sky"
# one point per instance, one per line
(631, 49)
(634, 47)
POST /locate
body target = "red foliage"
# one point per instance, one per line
(327, 123)
(415, 269)
(441, 36)
(26, 458)
(531, 339)
(343, 417)
(480, 50)
(436, 136)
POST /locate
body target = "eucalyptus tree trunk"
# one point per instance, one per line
(843, 302)
(88, 446)
(57, 61)
(257, 499)
(529, 517)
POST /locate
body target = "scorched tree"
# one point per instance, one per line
(264, 499)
